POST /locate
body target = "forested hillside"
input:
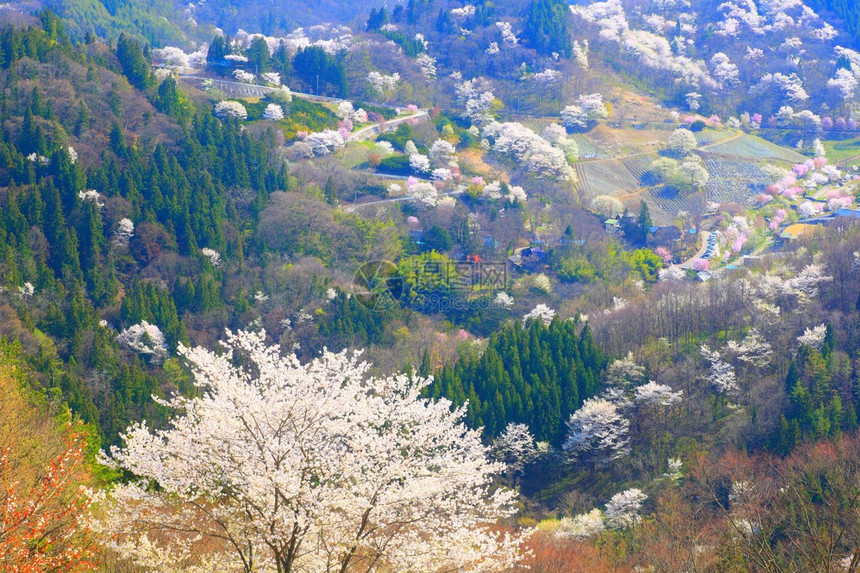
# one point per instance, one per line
(98, 185)
(429, 286)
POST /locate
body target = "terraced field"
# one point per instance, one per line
(665, 202)
(587, 149)
(753, 147)
(607, 177)
(639, 165)
(734, 181)
(710, 136)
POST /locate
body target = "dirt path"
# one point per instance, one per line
(371, 130)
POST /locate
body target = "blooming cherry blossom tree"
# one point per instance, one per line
(624, 373)
(813, 337)
(324, 142)
(622, 511)
(722, 374)
(317, 467)
(383, 85)
(230, 109)
(515, 447)
(541, 312)
(419, 163)
(273, 112)
(588, 109)
(442, 153)
(682, 142)
(597, 431)
(123, 233)
(657, 394)
(146, 339)
(582, 526)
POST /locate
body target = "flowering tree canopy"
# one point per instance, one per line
(597, 430)
(273, 112)
(659, 394)
(230, 109)
(682, 141)
(541, 312)
(316, 467)
(624, 507)
(588, 109)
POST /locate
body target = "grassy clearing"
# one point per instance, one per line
(845, 150)
(753, 147)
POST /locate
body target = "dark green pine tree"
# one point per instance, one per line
(644, 223)
(258, 56)
(133, 62)
(218, 49)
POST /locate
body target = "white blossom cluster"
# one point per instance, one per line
(427, 63)
(419, 163)
(846, 81)
(650, 49)
(540, 312)
(624, 373)
(547, 77)
(145, 338)
(722, 374)
(528, 149)
(244, 77)
(464, 12)
(813, 337)
(230, 109)
(588, 109)
(424, 193)
(789, 86)
(724, 71)
(330, 37)
(273, 112)
(653, 393)
(211, 254)
(580, 53)
(682, 142)
(290, 455)
(324, 142)
(582, 526)
(92, 196)
(476, 98)
(383, 85)
(598, 428)
(503, 300)
(123, 233)
(171, 57)
(766, 17)
(508, 36)
(516, 447)
(442, 153)
(623, 510)
(271, 78)
(607, 205)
